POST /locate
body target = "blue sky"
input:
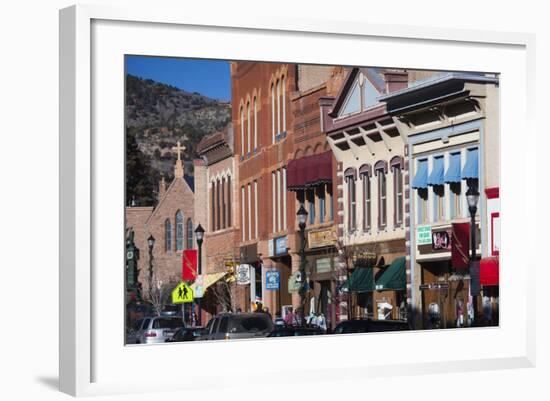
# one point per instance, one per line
(207, 77)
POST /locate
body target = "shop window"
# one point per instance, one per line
(322, 204)
(398, 195)
(382, 199)
(311, 206)
(350, 176)
(422, 203)
(366, 201)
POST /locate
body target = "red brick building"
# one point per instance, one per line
(311, 177)
(217, 193)
(263, 129)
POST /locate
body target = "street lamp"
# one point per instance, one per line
(199, 235)
(302, 218)
(472, 196)
(151, 243)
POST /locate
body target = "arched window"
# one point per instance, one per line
(278, 107)
(255, 123)
(248, 124)
(179, 230)
(272, 113)
(350, 177)
(167, 235)
(242, 132)
(189, 234)
(283, 90)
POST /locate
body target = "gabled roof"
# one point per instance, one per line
(187, 181)
(375, 77)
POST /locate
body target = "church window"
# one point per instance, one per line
(168, 235)
(189, 234)
(179, 230)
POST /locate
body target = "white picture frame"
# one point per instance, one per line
(91, 35)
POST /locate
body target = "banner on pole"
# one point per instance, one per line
(189, 265)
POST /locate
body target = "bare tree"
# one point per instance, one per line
(350, 257)
(224, 294)
(159, 291)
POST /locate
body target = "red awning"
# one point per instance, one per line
(488, 271)
(309, 171)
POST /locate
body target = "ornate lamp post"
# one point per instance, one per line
(302, 218)
(151, 243)
(199, 235)
(472, 196)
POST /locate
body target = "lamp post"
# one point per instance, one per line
(151, 243)
(472, 196)
(199, 235)
(302, 218)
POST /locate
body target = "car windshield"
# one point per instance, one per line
(167, 323)
(241, 324)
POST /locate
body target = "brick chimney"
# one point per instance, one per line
(396, 80)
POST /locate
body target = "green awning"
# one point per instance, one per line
(394, 277)
(361, 280)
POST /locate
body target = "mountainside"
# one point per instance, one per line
(157, 116)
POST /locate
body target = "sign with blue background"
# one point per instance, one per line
(280, 246)
(272, 280)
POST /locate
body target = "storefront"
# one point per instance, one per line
(276, 273)
(321, 256)
(250, 289)
(377, 283)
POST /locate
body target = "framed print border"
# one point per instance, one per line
(78, 347)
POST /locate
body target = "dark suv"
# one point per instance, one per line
(228, 326)
(370, 326)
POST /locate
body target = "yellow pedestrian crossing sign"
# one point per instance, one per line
(182, 294)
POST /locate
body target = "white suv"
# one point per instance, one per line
(153, 330)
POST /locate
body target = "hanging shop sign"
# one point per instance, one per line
(423, 235)
(280, 246)
(272, 280)
(270, 248)
(319, 238)
(294, 282)
(441, 240)
(242, 273)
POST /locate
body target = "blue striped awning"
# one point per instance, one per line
(420, 180)
(453, 171)
(470, 169)
(436, 176)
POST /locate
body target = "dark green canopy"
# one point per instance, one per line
(394, 277)
(361, 280)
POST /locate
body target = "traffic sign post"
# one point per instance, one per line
(182, 294)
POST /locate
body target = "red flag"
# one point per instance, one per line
(189, 265)
(460, 246)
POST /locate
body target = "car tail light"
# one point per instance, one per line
(150, 334)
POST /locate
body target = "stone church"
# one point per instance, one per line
(171, 223)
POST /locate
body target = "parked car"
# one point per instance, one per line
(228, 326)
(370, 326)
(186, 334)
(295, 331)
(153, 330)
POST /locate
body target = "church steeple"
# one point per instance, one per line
(178, 169)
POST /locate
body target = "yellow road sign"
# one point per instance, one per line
(182, 294)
